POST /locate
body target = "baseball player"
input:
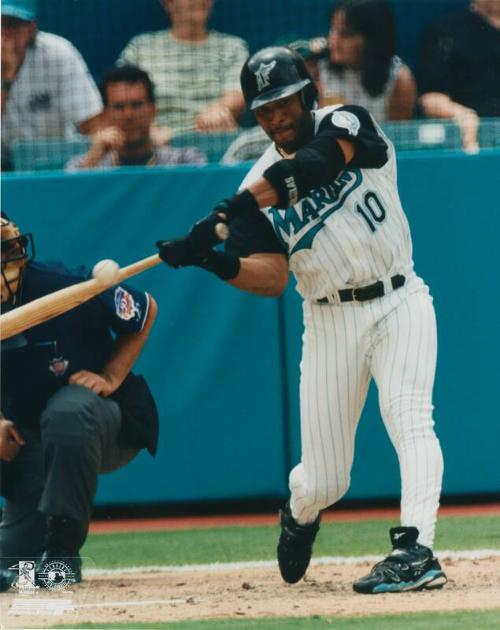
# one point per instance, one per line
(323, 201)
(72, 408)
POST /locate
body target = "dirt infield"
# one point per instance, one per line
(255, 592)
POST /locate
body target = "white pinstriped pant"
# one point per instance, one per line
(392, 339)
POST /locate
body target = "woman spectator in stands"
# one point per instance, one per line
(361, 65)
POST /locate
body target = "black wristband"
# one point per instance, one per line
(242, 203)
(224, 266)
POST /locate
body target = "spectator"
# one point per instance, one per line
(459, 68)
(362, 67)
(249, 145)
(196, 71)
(125, 139)
(73, 408)
(47, 90)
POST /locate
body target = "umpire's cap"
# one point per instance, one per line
(273, 73)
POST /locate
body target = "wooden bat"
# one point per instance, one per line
(57, 303)
(54, 304)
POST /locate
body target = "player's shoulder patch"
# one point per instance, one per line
(125, 306)
(346, 120)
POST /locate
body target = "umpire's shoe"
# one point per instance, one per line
(409, 567)
(295, 546)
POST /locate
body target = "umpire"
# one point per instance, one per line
(72, 407)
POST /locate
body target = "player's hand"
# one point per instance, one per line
(99, 383)
(209, 232)
(180, 252)
(10, 440)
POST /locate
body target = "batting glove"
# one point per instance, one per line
(208, 233)
(180, 253)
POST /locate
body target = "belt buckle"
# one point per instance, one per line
(353, 293)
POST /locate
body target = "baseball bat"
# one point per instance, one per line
(59, 302)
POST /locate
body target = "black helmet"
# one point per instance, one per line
(273, 73)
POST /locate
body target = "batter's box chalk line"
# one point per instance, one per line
(474, 554)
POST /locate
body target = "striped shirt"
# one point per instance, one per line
(187, 75)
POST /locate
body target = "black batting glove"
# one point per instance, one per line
(208, 233)
(180, 253)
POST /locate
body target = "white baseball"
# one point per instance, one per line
(222, 231)
(106, 272)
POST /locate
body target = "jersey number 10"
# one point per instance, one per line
(373, 212)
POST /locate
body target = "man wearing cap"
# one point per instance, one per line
(47, 90)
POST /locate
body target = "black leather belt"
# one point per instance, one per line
(362, 294)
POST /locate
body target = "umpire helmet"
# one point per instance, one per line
(276, 72)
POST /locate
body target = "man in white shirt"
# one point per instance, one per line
(47, 90)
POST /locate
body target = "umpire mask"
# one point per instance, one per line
(17, 250)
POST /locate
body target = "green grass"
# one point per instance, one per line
(232, 544)
(457, 620)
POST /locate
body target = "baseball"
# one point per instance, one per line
(106, 272)
(222, 231)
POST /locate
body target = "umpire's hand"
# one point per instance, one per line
(10, 440)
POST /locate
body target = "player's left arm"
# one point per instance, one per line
(346, 137)
(128, 347)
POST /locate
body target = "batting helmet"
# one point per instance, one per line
(17, 251)
(276, 72)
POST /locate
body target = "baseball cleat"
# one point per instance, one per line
(409, 567)
(295, 546)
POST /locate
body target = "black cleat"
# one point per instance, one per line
(409, 567)
(295, 546)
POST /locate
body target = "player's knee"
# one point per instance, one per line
(407, 415)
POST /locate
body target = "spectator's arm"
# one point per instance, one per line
(104, 140)
(222, 113)
(91, 125)
(439, 105)
(404, 96)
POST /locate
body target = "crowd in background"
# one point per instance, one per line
(185, 79)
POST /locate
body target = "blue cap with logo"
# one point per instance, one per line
(21, 9)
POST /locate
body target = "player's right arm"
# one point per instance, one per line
(262, 274)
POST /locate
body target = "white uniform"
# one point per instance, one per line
(353, 233)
